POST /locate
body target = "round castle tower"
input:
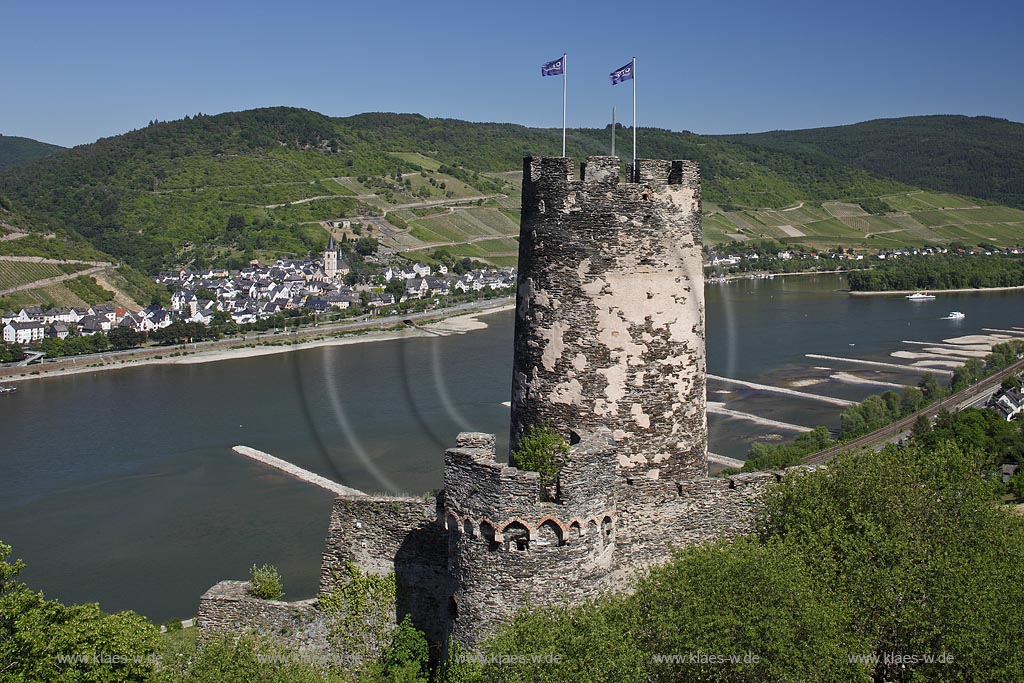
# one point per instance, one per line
(610, 311)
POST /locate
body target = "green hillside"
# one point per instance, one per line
(15, 151)
(975, 156)
(259, 183)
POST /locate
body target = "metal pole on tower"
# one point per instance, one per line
(564, 77)
(636, 175)
(613, 130)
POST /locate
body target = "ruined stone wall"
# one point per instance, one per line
(229, 607)
(386, 534)
(610, 311)
(655, 516)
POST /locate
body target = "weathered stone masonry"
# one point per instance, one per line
(609, 350)
(610, 311)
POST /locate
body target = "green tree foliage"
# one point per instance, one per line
(930, 388)
(366, 246)
(767, 456)
(978, 156)
(74, 345)
(17, 151)
(122, 338)
(939, 272)
(245, 659)
(911, 541)
(35, 634)
(204, 293)
(974, 370)
(88, 290)
(542, 449)
(265, 582)
(361, 610)
(181, 332)
(11, 353)
(405, 660)
(985, 430)
(899, 552)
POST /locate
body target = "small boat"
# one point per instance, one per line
(7, 389)
(920, 296)
(955, 315)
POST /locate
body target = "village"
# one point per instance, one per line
(260, 291)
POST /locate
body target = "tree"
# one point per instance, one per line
(921, 426)
(11, 353)
(236, 222)
(877, 532)
(930, 387)
(232, 659)
(396, 286)
(1010, 383)
(541, 449)
(366, 246)
(123, 338)
(911, 400)
(35, 632)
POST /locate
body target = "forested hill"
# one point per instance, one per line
(146, 195)
(976, 156)
(15, 151)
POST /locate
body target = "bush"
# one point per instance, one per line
(265, 582)
(542, 449)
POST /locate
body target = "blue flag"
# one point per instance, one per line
(553, 68)
(621, 74)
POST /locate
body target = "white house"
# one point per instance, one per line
(18, 332)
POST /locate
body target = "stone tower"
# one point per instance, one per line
(331, 259)
(610, 311)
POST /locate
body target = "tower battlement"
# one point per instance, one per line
(483, 497)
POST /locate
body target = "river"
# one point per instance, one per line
(120, 487)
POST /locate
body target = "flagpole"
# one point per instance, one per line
(613, 130)
(564, 77)
(636, 176)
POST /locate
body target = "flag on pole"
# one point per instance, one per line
(621, 74)
(555, 67)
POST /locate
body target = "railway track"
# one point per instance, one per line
(951, 402)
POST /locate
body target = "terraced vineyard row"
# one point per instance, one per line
(916, 219)
(17, 274)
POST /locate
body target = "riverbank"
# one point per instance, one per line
(436, 323)
(758, 274)
(904, 292)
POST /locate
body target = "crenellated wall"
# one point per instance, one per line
(509, 546)
(610, 311)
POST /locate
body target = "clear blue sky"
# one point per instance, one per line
(75, 71)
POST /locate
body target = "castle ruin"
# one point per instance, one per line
(609, 351)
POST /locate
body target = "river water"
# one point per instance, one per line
(120, 487)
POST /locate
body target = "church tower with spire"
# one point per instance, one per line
(331, 259)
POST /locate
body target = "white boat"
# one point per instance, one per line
(920, 296)
(955, 315)
(8, 390)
